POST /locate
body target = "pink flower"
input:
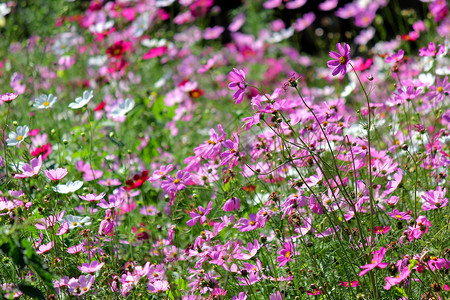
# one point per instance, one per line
(212, 33)
(341, 59)
(396, 214)
(276, 296)
(328, 5)
(32, 169)
(201, 215)
(110, 182)
(232, 204)
(155, 52)
(285, 253)
(92, 267)
(158, 174)
(304, 22)
(248, 224)
(238, 83)
(349, 284)
(45, 248)
(8, 97)
(81, 285)
(376, 262)
(395, 57)
(114, 201)
(175, 184)
(392, 281)
(92, 197)
(434, 199)
(252, 249)
(431, 50)
(57, 174)
(158, 286)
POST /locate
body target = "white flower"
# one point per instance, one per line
(15, 138)
(123, 108)
(164, 3)
(82, 101)
(45, 101)
(69, 187)
(75, 221)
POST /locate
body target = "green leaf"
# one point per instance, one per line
(31, 291)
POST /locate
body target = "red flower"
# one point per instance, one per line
(100, 106)
(45, 151)
(196, 93)
(118, 49)
(137, 180)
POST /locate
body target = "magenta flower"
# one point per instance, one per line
(114, 201)
(238, 83)
(248, 224)
(434, 199)
(396, 214)
(232, 204)
(395, 57)
(431, 50)
(252, 249)
(177, 183)
(285, 253)
(32, 169)
(81, 285)
(91, 267)
(341, 60)
(110, 182)
(201, 215)
(57, 174)
(8, 97)
(440, 90)
(392, 281)
(376, 262)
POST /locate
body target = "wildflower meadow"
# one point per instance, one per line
(208, 149)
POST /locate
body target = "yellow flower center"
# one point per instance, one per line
(176, 181)
(440, 89)
(398, 216)
(201, 213)
(46, 103)
(74, 223)
(85, 289)
(288, 254)
(19, 138)
(252, 223)
(342, 60)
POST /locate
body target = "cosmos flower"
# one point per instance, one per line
(17, 137)
(69, 187)
(341, 60)
(238, 83)
(8, 97)
(45, 101)
(32, 169)
(82, 101)
(123, 108)
(56, 174)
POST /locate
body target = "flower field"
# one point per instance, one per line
(201, 149)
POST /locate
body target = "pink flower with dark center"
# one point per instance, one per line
(32, 169)
(376, 262)
(56, 174)
(341, 60)
(237, 78)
